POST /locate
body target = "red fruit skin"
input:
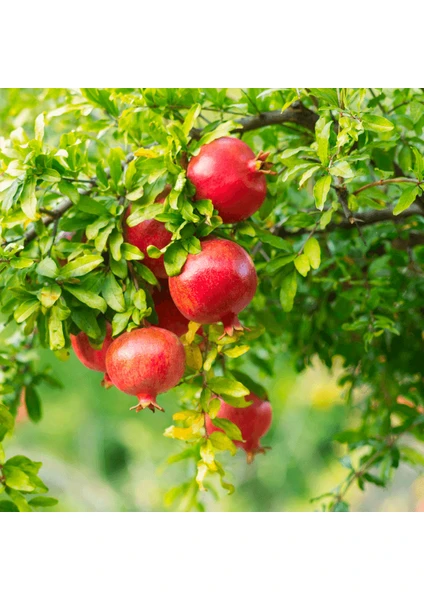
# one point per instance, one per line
(146, 362)
(216, 284)
(253, 421)
(149, 233)
(89, 356)
(169, 317)
(225, 172)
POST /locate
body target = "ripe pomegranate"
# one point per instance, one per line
(150, 233)
(227, 172)
(144, 363)
(169, 317)
(89, 356)
(253, 421)
(215, 285)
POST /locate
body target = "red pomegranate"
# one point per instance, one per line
(253, 421)
(215, 285)
(149, 233)
(144, 363)
(89, 356)
(227, 172)
(169, 317)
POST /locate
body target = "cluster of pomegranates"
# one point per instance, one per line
(213, 286)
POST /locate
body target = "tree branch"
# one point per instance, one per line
(31, 234)
(296, 113)
(366, 218)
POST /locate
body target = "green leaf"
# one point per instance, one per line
(33, 404)
(25, 310)
(175, 257)
(406, 199)
(236, 351)
(17, 479)
(322, 132)
(68, 189)
(114, 162)
(341, 168)
(307, 175)
(321, 189)
(42, 502)
(313, 252)
(120, 322)
(7, 506)
(418, 163)
(130, 252)
(222, 130)
(273, 240)
(192, 245)
(85, 320)
(49, 294)
(50, 175)
(221, 442)
(56, 337)
(29, 199)
(153, 252)
(140, 300)
(190, 119)
(288, 291)
(6, 421)
(115, 242)
(48, 268)
(113, 294)
(101, 174)
(302, 264)
(229, 387)
(229, 428)
(375, 123)
(21, 262)
(253, 385)
(39, 128)
(275, 264)
(81, 266)
(145, 273)
(87, 297)
(144, 213)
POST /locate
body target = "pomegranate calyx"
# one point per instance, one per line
(260, 164)
(146, 401)
(250, 455)
(231, 322)
(106, 382)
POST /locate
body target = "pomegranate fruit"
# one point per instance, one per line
(227, 172)
(145, 234)
(144, 363)
(253, 421)
(169, 317)
(91, 357)
(215, 285)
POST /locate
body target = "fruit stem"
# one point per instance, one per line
(146, 401)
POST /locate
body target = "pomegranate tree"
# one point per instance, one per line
(145, 363)
(215, 285)
(253, 421)
(228, 173)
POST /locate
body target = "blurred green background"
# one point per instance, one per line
(99, 456)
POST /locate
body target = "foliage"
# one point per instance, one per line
(338, 246)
